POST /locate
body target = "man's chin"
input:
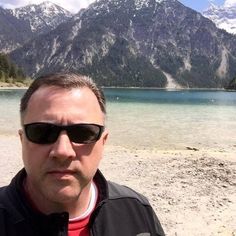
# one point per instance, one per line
(62, 194)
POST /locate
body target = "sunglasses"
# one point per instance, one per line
(46, 133)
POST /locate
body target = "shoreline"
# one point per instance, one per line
(12, 86)
(168, 89)
(192, 192)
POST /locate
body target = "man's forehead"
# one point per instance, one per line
(55, 91)
(82, 96)
(76, 103)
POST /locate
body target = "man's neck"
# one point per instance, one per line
(91, 206)
(74, 208)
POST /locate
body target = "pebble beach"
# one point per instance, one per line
(192, 191)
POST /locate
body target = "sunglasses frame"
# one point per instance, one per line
(60, 128)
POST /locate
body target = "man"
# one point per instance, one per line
(60, 191)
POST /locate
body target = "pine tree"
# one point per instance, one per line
(4, 64)
(2, 76)
(9, 72)
(13, 71)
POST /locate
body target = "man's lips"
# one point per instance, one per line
(61, 172)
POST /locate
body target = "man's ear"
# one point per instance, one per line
(20, 132)
(105, 136)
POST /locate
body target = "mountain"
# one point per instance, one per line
(136, 43)
(43, 17)
(13, 32)
(224, 17)
(20, 25)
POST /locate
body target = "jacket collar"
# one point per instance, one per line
(102, 186)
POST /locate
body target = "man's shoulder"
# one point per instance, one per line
(5, 198)
(117, 191)
(3, 193)
(4, 201)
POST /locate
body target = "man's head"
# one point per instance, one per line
(66, 81)
(61, 116)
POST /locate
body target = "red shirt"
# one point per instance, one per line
(79, 228)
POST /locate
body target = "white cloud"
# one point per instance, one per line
(71, 5)
(230, 3)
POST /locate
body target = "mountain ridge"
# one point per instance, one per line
(132, 43)
(224, 17)
(25, 23)
(13, 32)
(42, 17)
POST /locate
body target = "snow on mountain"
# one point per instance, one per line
(43, 17)
(13, 32)
(223, 16)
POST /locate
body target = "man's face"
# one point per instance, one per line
(59, 172)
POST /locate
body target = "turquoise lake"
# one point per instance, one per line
(152, 118)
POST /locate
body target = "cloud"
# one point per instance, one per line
(230, 3)
(71, 5)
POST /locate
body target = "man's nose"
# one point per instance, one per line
(63, 148)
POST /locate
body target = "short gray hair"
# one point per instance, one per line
(66, 81)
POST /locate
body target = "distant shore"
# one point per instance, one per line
(16, 85)
(23, 86)
(13, 87)
(158, 88)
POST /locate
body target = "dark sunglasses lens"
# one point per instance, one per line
(41, 133)
(84, 133)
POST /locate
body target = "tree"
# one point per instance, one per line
(2, 76)
(9, 72)
(13, 71)
(232, 84)
(4, 64)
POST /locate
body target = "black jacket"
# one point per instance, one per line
(120, 212)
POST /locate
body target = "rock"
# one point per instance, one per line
(192, 148)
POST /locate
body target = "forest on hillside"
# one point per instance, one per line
(10, 73)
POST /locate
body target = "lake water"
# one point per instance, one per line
(151, 118)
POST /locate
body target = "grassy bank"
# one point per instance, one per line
(14, 83)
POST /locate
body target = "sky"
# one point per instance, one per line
(200, 5)
(75, 5)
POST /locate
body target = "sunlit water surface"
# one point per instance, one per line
(150, 118)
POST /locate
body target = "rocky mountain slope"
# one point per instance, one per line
(20, 25)
(224, 17)
(13, 32)
(43, 17)
(136, 43)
